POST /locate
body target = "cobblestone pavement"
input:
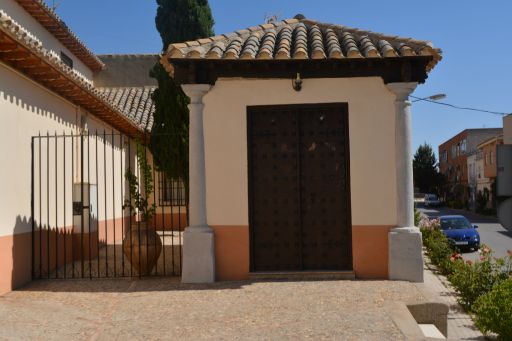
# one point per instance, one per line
(164, 309)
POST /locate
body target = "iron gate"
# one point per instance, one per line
(299, 187)
(83, 212)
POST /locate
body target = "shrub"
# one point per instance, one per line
(493, 311)
(438, 247)
(474, 279)
(417, 217)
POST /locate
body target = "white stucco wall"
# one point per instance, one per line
(28, 109)
(371, 131)
(17, 13)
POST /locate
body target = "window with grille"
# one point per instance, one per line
(171, 191)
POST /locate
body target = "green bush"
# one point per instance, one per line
(472, 280)
(438, 247)
(417, 217)
(439, 250)
(493, 311)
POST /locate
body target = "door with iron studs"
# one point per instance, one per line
(299, 187)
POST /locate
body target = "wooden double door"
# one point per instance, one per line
(299, 187)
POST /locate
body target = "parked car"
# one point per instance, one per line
(460, 232)
(431, 200)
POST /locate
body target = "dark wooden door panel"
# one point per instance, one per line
(276, 241)
(299, 193)
(324, 190)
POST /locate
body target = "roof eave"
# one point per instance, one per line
(207, 71)
(50, 21)
(27, 57)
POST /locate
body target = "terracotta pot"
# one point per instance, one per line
(142, 247)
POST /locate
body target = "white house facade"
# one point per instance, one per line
(300, 154)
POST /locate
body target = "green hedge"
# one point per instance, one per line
(493, 310)
(480, 285)
(472, 280)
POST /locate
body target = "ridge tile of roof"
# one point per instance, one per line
(47, 17)
(303, 39)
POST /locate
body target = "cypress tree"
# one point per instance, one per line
(426, 176)
(176, 21)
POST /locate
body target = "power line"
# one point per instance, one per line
(459, 107)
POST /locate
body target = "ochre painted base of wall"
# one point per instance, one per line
(370, 251)
(64, 246)
(15, 261)
(176, 221)
(231, 252)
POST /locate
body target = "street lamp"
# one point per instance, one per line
(435, 97)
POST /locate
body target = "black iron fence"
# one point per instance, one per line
(92, 216)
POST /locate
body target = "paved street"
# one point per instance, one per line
(491, 231)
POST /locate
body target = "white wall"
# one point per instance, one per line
(372, 143)
(28, 109)
(16, 12)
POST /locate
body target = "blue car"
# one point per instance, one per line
(460, 232)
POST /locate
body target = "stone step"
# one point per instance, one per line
(301, 275)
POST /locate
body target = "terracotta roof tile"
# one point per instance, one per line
(303, 39)
(107, 100)
(135, 103)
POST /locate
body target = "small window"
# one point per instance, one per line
(171, 192)
(66, 59)
(463, 146)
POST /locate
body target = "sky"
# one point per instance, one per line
(476, 70)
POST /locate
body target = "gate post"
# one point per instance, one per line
(198, 238)
(405, 242)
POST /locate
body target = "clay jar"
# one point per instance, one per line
(142, 247)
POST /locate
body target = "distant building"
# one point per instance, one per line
(487, 150)
(453, 159)
(507, 129)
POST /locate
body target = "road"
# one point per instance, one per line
(491, 232)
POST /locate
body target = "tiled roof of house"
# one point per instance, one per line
(135, 102)
(24, 52)
(56, 26)
(302, 39)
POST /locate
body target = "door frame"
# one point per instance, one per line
(345, 108)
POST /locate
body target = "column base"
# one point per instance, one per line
(405, 254)
(198, 255)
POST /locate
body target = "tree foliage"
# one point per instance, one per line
(177, 21)
(426, 176)
(140, 187)
(183, 20)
